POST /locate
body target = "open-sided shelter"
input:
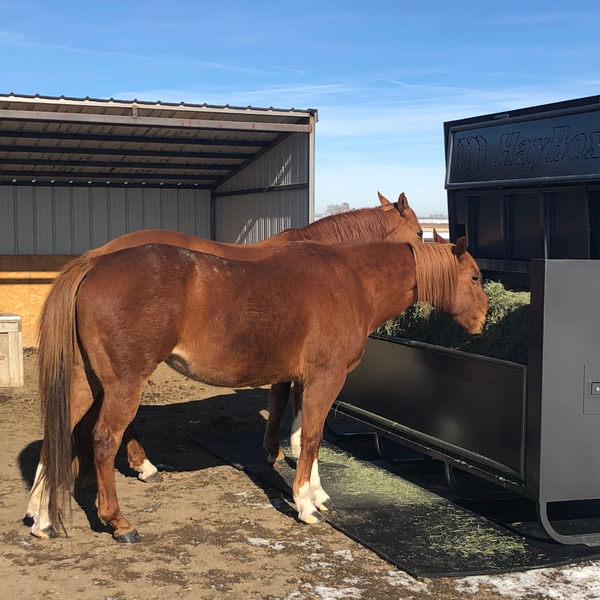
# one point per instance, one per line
(76, 173)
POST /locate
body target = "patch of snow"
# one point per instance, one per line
(400, 578)
(258, 541)
(345, 554)
(295, 595)
(327, 593)
(571, 583)
(266, 543)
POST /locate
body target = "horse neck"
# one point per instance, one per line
(388, 278)
(362, 225)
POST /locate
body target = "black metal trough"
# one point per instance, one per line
(532, 221)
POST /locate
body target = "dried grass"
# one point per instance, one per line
(505, 335)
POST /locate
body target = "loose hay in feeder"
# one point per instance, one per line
(505, 335)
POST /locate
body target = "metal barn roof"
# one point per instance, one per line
(91, 141)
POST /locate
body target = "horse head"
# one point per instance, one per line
(449, 279)
(403, 225)
(469, 305)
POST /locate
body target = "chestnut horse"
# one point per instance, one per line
(302, 314)
(387, 222)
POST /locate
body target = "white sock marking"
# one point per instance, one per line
(295, 442)
(145, 470)
(317, 493)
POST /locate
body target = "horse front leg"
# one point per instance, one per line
(278, 398)
(137, 458)
(319, 394)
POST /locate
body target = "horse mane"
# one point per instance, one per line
(436, 272)
(361, 225)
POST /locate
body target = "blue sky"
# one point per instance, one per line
(383, 75)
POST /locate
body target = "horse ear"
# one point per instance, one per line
(460, 247)
(438, 238)
(402, 203)
(383, 199)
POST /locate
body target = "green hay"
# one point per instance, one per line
(461, 534)
(505, 335)
(359, 478)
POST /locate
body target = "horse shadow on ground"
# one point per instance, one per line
(165, 433)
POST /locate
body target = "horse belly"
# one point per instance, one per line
(222, 371)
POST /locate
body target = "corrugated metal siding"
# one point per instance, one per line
(252, 217)
(71, 220)
(285, 164)
(249, 218)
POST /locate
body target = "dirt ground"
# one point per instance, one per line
(209, 530)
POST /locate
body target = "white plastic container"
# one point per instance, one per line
(11, 350)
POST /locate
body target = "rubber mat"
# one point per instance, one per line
(414, 528)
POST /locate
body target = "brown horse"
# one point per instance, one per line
(387, 222)
(302, 314)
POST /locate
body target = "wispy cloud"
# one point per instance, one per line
(295, 95)
(289, 70)
(540, 18)
(18, 40)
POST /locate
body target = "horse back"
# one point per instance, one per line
(197, 244)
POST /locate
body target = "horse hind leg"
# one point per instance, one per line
(296, 436)
(121, 401)
(81, 400)
(138, 460)
(278, 398)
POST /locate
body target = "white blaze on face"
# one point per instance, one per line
(37, 508)
(295, 442)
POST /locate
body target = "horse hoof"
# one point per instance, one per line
(326, 506)
(46, 533)
(128, 537)
(154, 478)
(314, 518)
(280, 463)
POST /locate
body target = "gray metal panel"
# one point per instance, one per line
(7, 220)
(566, 334)
(249, 218)
(71, 220)
(99, 216)
(82, 239)
(152, 212)
(169, 210)
(117, 209)
(202, 209)
(63, 213)
(285, 164)
(44, 216)
(187, 212)
(25, 221)
(135, 209)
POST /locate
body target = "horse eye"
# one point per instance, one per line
(475, 277)
(420, 234)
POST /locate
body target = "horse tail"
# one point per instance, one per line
(57, 352)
